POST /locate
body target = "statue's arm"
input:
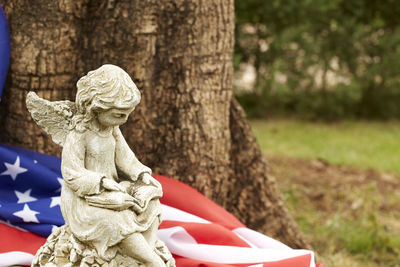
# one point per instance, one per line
(76, 176)
(126, 160)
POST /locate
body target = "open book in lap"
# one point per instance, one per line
(137, 198)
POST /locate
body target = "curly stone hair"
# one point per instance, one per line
(104, 88)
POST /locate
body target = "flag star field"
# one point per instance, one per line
(27, 202)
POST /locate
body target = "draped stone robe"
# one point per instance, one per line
(87, 158)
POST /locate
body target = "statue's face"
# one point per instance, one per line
(113, 116)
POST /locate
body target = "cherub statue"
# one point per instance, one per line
(109, 200)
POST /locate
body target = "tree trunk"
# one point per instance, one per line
(179, 53)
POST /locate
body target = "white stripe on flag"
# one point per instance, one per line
(181, 243)
(258, 240)
(15, 257)
(172, 214)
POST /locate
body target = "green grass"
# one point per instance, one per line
(361, 144)
(343, 236)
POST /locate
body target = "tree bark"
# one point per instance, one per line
(179, 53)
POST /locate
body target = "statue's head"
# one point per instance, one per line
(105, 88)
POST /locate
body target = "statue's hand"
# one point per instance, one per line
(111, 185)
(147, 179)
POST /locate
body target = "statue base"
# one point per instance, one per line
(63, 249)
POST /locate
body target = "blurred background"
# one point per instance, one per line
(320, 83)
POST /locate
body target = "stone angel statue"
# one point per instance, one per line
(109, 200)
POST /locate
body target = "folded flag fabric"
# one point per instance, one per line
(4, 49)
(197, 231)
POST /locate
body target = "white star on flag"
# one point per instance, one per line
(55, 201)
(54, 228)
(25, 196)
(13, 169)
(61, 181)
(27, 214)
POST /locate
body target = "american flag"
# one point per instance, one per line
(197, 231)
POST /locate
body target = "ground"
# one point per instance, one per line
(341, 182)
(351, 216)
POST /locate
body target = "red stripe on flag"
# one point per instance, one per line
(13, 239)
(300, 261)
(185, 262)
(188, 199)
(208, 233)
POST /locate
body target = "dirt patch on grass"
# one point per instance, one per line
(321, 181)
(343, 210)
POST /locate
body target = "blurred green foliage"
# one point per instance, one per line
(320, 58)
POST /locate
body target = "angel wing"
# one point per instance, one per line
(54, 117)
